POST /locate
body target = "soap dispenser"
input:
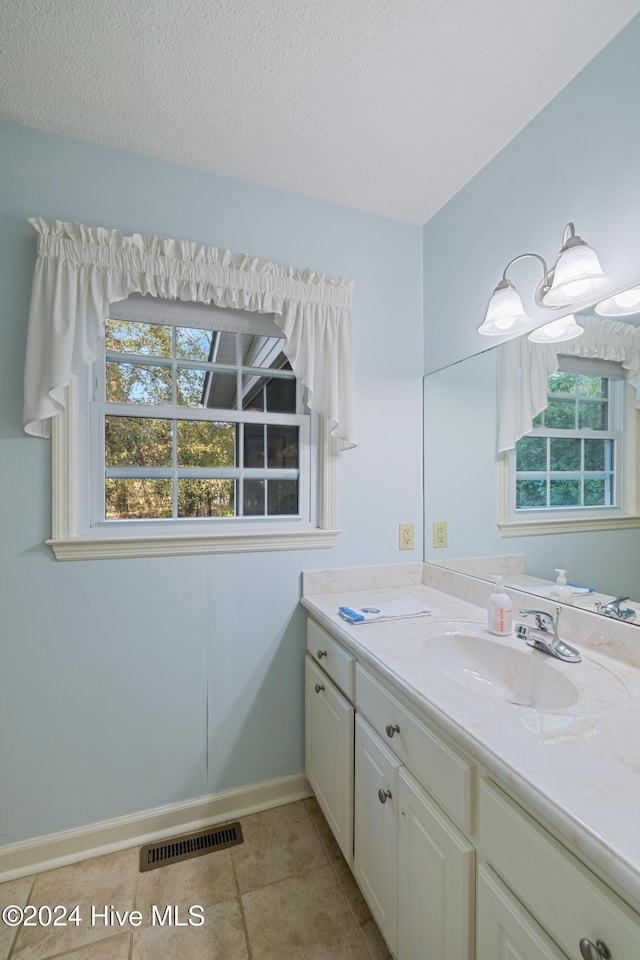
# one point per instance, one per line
(499, 610)
(560, 590)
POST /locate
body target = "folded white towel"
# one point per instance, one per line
(399, 609)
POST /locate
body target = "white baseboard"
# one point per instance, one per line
(58, 849)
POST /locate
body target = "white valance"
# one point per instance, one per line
(524, 368)
(81, 270)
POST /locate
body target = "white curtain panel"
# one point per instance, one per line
(81, 270)
(524, 368)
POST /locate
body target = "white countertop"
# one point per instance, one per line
(577, 768)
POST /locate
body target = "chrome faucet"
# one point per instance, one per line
(544, 636)
(613, 609)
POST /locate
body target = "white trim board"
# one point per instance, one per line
(96, 839)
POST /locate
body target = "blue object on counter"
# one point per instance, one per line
(351, 615)
(576, 586)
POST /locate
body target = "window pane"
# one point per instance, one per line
(134, 499)
(564, 493)
(531, 453)
(539, 420)
(597, 493)
(148, 339)
(205, 444)
(138, 383)
(194, 344)
(253, 505)
(254, 445)
(282, 446)
(281, 396)
(564, 453)
(219, 391)
(564, 383)
(190, 385)
(592, 415)
(560, 415)
(598, 454)
(592, 386)
(137, 442)
(260, 351)
(206, 498)
(531, 493)
(283, 497)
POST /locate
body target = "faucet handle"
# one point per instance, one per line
(543, 619)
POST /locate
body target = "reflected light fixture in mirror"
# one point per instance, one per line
(576, 277)
(565, 328)
(624, 304)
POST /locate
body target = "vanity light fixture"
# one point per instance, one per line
(576, 277)
(623, 304)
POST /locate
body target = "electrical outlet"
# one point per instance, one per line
(440, 533)
(405, 537)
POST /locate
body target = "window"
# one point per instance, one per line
(571, 458)
(192, 438)
(573, 470)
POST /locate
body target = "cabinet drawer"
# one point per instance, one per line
(447, 776)
(334, 659)
(559, 891)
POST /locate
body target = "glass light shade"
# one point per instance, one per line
(505, 314)
(565, 328)
(577, 276)
(623, 304)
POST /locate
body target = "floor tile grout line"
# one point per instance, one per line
(18, 929)
(82, 946)
(332, 864)
(350, 908)
(242, 913)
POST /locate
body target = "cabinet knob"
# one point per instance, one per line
(383, 795)
(318, 687)
(320, 654)
(392, 728)
(594, 951)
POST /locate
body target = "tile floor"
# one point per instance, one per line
(286, 893)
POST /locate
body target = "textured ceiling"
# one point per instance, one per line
(388, 106)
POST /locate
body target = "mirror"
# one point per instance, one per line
(462, 490)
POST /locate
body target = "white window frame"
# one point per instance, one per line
(78, 536)
(625, 515)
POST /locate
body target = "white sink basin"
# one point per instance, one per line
(472, 658)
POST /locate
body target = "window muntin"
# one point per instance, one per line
(571, 460)
(199, 424)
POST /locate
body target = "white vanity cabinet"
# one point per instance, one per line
(452, 867)
(505, 930)
(376, 828)
(564, 897)
(420, 883)
(329, 718)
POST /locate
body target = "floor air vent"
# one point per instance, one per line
(189, 845)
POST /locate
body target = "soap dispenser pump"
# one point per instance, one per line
(499, 610)
(561, 591)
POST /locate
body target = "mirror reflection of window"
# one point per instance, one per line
(571, 457)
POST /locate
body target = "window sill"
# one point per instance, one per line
(532, 528)
(112, 548)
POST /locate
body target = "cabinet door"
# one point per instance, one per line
(329, 753)
(376, 829)
(505, 931)
(436, 868)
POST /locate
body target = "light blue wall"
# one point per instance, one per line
(579, 159)
(109, 669)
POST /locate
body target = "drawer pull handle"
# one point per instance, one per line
(594, 951)
(383, 795)
(318, 687)
(321, 653)
(392, 728)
